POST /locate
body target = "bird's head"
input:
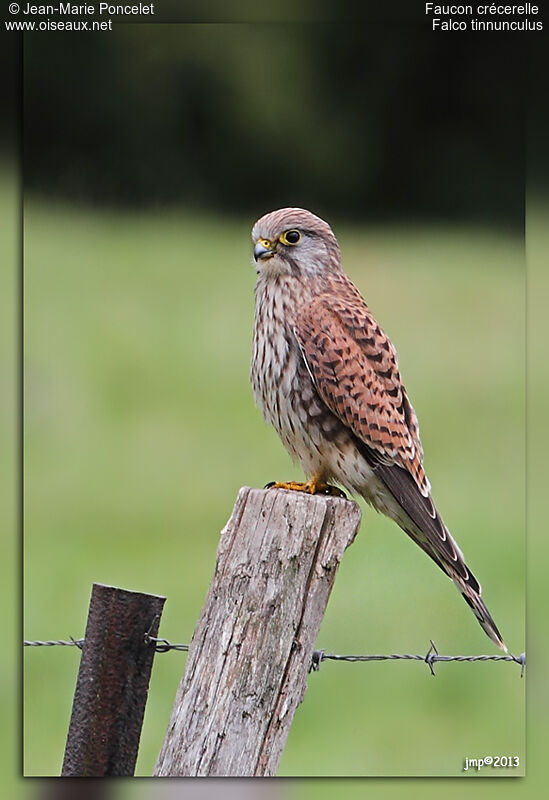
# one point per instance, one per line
(293, 241)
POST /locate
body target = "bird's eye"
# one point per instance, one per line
(290, 237)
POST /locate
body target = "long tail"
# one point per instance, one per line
(417, 515)
(459, 572)
(475, 602)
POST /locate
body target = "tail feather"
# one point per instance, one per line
(468, 586)
(417, 515)
(475, 602)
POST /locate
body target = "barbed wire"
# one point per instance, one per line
(163, 645)
(430, 658)
(54, 642)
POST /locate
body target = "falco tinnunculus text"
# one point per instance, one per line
(326, 377)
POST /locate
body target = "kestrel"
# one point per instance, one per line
(326, 377)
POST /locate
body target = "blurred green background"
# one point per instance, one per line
(148, 156)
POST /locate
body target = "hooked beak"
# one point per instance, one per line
(264, 249)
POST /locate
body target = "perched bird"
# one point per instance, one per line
(326, 377)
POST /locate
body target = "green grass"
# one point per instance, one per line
(140, 428)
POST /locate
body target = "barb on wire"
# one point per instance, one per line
(430, 658)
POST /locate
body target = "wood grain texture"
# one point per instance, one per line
(251, 650)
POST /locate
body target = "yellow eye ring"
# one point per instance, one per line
(290, 237)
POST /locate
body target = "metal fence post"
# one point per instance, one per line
(113, 681)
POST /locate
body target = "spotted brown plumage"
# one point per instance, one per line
(326, 377)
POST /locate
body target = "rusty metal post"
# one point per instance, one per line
(113, 682)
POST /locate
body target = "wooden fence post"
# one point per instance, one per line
(113, 682)
(251, 651)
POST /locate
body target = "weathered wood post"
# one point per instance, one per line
(251, 650)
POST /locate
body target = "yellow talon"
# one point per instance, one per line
(293, 486)
(313, 486)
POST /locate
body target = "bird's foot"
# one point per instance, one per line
(311, 487)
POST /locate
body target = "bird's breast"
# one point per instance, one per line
(274, 358)
(283, 388)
